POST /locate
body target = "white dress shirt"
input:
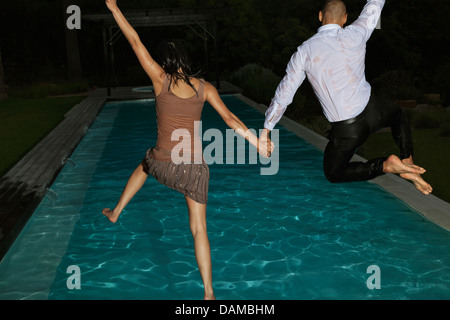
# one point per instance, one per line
(334, 62)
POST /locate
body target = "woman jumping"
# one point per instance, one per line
(179, 101)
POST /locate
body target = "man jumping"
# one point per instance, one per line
(333, 60)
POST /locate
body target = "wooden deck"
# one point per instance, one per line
(24, 186)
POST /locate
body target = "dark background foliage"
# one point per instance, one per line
(406, 58)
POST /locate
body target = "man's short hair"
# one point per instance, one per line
(334, 6)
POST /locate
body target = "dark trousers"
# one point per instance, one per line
(347, 136)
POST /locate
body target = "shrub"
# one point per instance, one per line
(257, 82)
(424, 121)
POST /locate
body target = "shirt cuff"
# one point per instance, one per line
(273, 115)
(269, 126)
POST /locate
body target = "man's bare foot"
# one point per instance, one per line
(112, 215)
(394, 165)
(418, 181)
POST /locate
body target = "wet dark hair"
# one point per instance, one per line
(174, 59)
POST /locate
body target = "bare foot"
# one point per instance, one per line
(112, 215)
(394, 165)
(209, 297)
(418, 181)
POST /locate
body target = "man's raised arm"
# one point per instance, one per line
(369, 17)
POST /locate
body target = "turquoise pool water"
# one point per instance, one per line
(288, 236)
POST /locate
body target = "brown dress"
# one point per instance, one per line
(179, 119)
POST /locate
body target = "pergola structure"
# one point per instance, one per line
(201, 21)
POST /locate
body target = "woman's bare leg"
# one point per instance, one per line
(197, 222)
(134, 184)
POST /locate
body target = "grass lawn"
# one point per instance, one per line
(431, 152)
(24, 122)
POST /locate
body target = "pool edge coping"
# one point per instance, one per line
(23, 187)
(430, 207)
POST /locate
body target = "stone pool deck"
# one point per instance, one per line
(25, 185)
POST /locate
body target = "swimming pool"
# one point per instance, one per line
(288, 236)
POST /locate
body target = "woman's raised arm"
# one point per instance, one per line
(212, 96)
(150, 66)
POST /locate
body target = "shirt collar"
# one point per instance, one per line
(329, 27)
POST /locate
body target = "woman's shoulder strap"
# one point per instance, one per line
(201, 89)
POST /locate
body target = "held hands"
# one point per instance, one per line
(265, 145)
(265, 148)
